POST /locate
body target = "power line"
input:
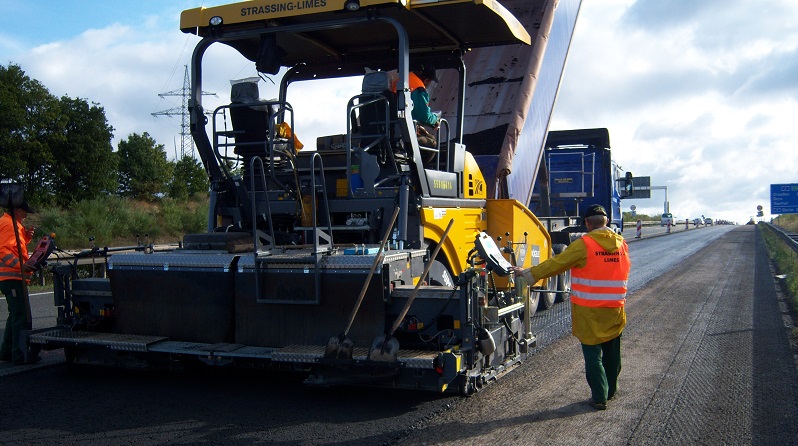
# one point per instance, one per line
(186, 142)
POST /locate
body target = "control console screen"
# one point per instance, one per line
(490, 252)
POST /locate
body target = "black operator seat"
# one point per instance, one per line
(372, 121)
(250, 118)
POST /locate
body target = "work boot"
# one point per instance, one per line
(598, 406)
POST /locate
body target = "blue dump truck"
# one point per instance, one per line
(578, 171)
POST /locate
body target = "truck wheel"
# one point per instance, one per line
(563, 286)
(563, 281)
(546, 297)
(534, 299)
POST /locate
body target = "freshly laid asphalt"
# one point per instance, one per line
(706, 360)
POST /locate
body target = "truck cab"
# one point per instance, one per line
(578, 171)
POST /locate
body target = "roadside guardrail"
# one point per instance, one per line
(633, 223)
(789, 237)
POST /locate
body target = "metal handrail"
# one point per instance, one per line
(272, 242)
(316, 231)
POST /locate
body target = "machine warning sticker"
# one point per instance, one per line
(440, 213)
(535, 255)
(521, 257)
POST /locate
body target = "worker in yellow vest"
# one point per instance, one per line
(13, 245)
(599, 264)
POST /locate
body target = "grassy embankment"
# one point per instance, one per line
(785, 258)
(113, 221)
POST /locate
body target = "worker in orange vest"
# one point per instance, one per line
(418, 82)
(13, 245)
(599, 264)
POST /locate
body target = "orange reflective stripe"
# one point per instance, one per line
(603, 280)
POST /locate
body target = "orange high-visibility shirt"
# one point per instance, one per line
(10, 268)
(602, 282)
(413, 81)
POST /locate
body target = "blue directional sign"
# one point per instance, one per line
(784, 198)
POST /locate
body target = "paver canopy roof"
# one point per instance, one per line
(433, 27)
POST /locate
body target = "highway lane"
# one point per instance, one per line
(707, 360)
(651, 256)
(541, 402)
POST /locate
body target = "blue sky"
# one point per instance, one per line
(700, 96)
(37, 22)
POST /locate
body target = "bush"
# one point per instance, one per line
(115, 221)
(788, 222)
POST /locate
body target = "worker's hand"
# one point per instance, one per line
(28, 271)
(30, 231)
(517, 270)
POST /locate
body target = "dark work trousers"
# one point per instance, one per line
(16, 322)
(602, 367)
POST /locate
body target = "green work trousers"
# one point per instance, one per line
(16, 322)
(602, 367)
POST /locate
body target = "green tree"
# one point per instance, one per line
(84, 165)
(144, 170)
(30, 122)
(189, 178)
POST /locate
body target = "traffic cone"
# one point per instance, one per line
(639, 229)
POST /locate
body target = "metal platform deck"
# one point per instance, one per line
(298, 354)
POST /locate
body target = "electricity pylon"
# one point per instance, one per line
(186, 143)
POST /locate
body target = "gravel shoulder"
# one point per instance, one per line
(706, 360)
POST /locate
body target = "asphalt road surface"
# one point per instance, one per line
(707, 360)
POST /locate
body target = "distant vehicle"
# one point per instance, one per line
(667, 219)
(708, 221)
(579, 172)
(698, 222)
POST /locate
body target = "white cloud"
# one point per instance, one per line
(121, 68)
(701, 96)
(697, 96)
